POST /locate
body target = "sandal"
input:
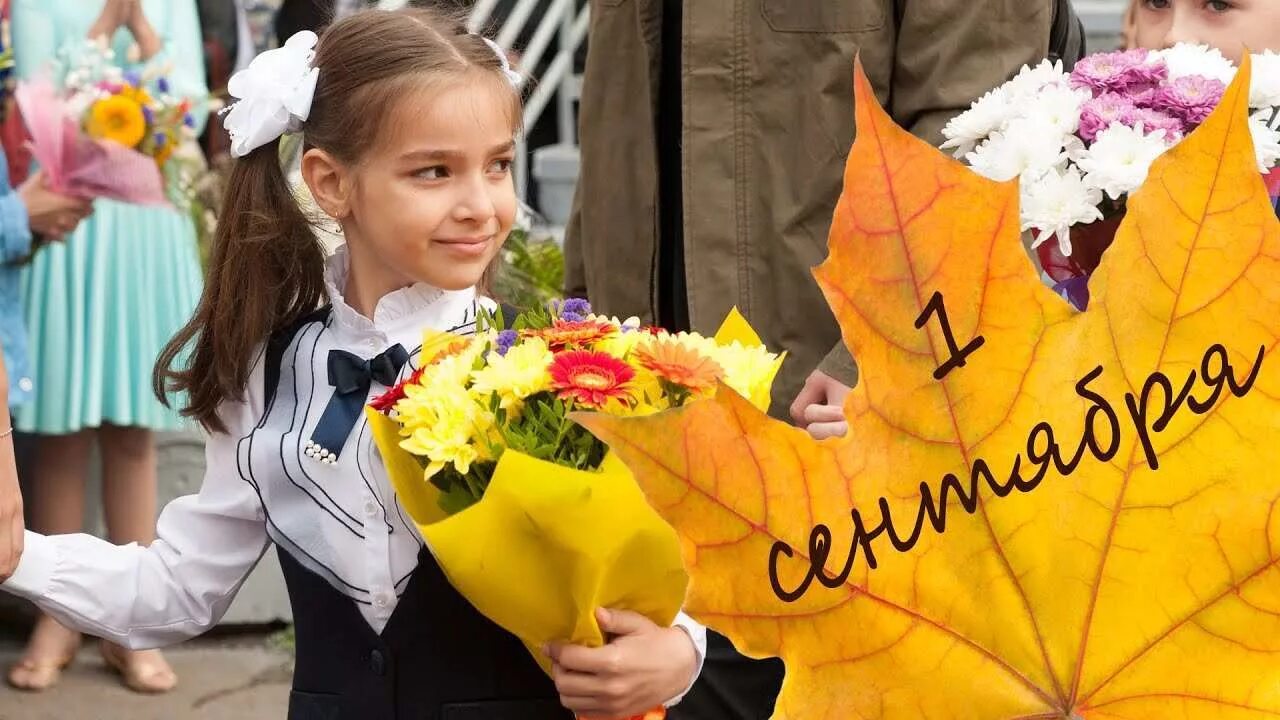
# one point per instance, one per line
(31, 675)
(151, 678)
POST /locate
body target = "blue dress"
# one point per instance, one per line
(15, 243)
(101, 305)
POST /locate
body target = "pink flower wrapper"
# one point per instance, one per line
(78, 165)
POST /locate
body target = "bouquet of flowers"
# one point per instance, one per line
(509, 491)
(105, 132)
(1080, 142)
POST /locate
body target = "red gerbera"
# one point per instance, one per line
(590, 378)
(580, 333)
(385, 402)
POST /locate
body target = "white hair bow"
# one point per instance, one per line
(273, 95)
(515, 78)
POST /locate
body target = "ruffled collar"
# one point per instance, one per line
(420, 305)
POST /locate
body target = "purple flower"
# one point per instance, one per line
(1191, 98)
(572, 316)
(133, 78)
(1113, 72)
(1099, 113)
(1153, 121)
(161, 138)
(576, 306)
(506, 340)
(162, 85)
(1075, 290)
(148, 115)
(189, 120)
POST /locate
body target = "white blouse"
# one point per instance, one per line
(339, 519)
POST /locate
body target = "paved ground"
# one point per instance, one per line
(243, 677)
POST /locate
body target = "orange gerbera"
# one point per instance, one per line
(589, 377)
(453, 348)
(679, 364)
(580, 333)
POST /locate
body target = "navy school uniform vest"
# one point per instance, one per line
(438, 658)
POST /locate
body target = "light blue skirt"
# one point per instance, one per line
(99, 309)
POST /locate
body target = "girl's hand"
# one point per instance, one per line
(11, 525)
(642, 667)
(10, 496)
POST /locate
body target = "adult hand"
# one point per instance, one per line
(140, 27)
(642, 667)
(115, 13)
(819, 408)
(50, 213)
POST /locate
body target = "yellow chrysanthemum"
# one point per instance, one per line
(442, 423)
(522, 372)
(118, 119)
(621, 344)
(748, 370)
(456, 369)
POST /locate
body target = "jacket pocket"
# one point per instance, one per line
(824, 16)
(505, 710)
(314, 706)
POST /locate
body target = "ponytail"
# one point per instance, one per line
(266, 270)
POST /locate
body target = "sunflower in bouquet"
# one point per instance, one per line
(509, 491)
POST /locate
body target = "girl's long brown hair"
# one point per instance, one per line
(267, 266)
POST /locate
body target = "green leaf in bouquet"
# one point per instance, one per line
(456, 499)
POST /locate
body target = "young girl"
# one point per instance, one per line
(1229, 25)
(408, 122)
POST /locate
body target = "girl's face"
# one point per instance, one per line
(434, 200)
(1229, 25)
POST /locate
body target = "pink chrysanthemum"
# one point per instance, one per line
(1191, 98)
(1101, 112)
(1116, 71)
(1153, 121)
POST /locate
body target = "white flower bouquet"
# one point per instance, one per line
(1079, 142)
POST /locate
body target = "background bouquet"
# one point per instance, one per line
(1080, 142)
(105, 132)
(509, 492)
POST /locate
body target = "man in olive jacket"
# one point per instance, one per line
(714, 135)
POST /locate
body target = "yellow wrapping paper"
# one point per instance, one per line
(547, 544)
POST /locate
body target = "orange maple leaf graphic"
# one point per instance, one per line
(1038, 513)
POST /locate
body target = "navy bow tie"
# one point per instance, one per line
(351, 377)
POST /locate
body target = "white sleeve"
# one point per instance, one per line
(698, 633)
(180, 585)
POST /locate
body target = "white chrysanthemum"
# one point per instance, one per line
(1055, 201)
(1059, 107)
(988, 114)
(1026, 146)
(1119, 159)
(1264, 90)
(1186, 59)
(1266, 142)
(1031, 80)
